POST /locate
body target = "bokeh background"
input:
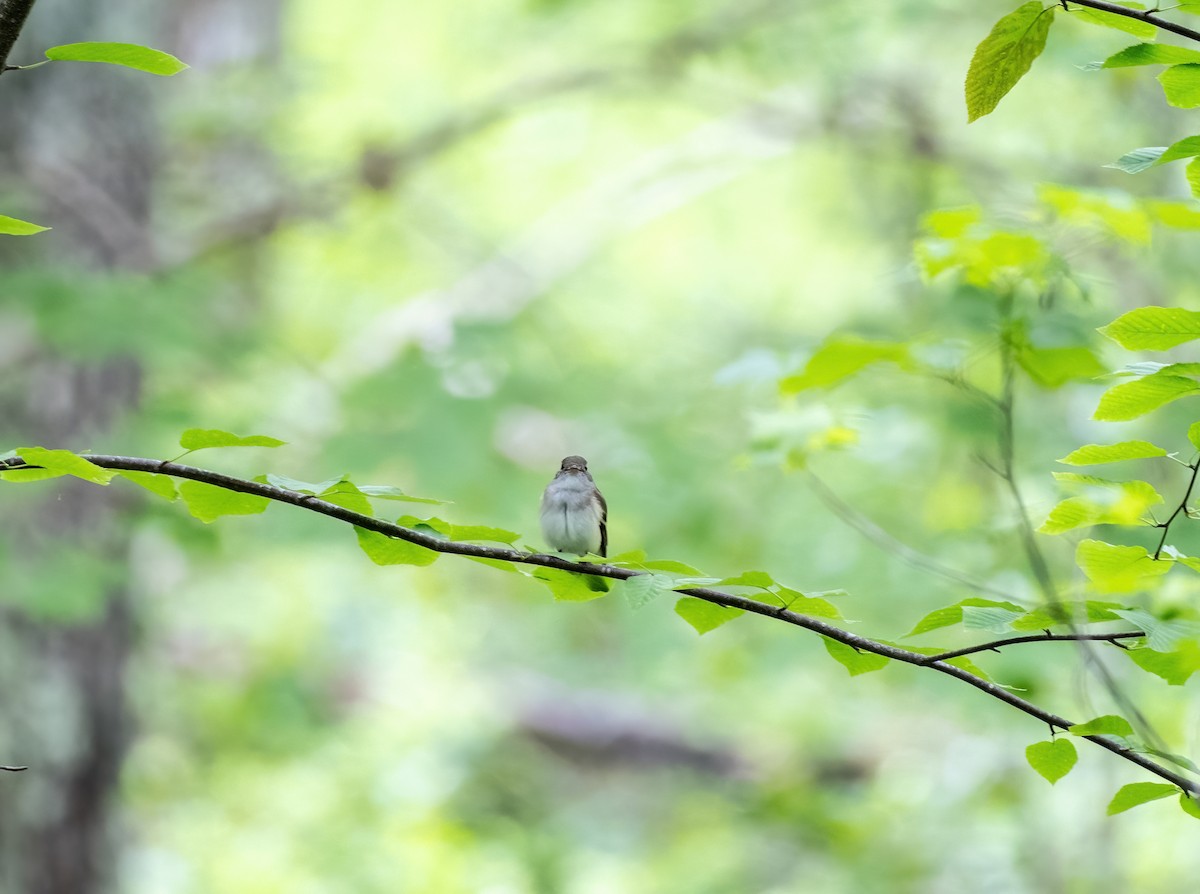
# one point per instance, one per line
(440, 246)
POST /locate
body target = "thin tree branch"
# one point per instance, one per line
(996, 645)
(14, 769)
(1150, 16)
(716, 597)
(12, 19)
(1187, 495)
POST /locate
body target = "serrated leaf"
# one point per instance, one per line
(1108, 725)
(758, 579)
(301, 487)
(1131, 400)
(1091, 611)
(1181, 85)
(645, 588)
(208, 502)
(568, 586)
(1189, 805)
(66, 463)
(129, 55)
(1118, 569)
(1052, 760)
(384, 550)
(1177, 759)
(1161, 635)
(672, 566)
(162, 485)
(840, 358)
(389, 492)
(1188, 147)
(203, 438)
(704, 616)
(953, 614)
(1154, 328)
(11, 226)
(1151, 54)
(1054, 367)
(1136, 27)
(1174, 667)
(1003, 57)
(448, 531)
(1096, 454)
(1139, 793)
(814, 606)
(854, 661)
(995, 620)
(1138, 160)
(346, 495)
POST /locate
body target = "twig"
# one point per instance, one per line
(12, 19)
(14, 769)
(716, 597)
(1182, 507)
(1142, 15)
(996, 645)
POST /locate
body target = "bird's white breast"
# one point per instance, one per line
(571, 515)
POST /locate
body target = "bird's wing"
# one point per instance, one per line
(603, 525)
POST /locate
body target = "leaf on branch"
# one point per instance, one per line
(1052, 760)
(1003, 57)
(1189, 805)
(384, 550)
(1161, 636)
(203, 438)
(1106, 503)
(1108, 725)
(1136, 27)
(11, 226)
(704, 616)
(1151, 54)
(1130, 400)
(65, 462)
(1154, 328)
(840, 358)
(1181, 85)
(953, 614)
(1180, 215)
(1118, 569)
(129, 55)
(1192, 171)
(1096, 454)
(645, 588)
(1139, 793)
(447, 531)
(1174, 667)
(208, 502)
(389, 492)
(567, 586)
(1055, 367)
(162, 485)
(1138, 160)
(852, 659)
(814, 606)
(759, 579)
(994, 620)
(1088, 612)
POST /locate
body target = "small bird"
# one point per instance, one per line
(574, 515)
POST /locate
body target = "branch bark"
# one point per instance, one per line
(1150, 16)
(12, 19)
(716, 597)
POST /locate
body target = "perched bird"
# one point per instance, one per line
(574, 515)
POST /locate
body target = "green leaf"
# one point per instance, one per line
(950, 223)
(1154, 328)
(567, 586)
(1138, 160)
(671, 566)
(1131, 400)
(301, 487)
(1180, 215)
(1106, 503)
(1096, 454)
(1052, 760)
(347, 496)
(1118, 569)
(748, 579)
(1192, 171)
(1139, 793)
(1161, 636)
(1181, 84)
(1178, 759)
(853, 660)
(1108, 725)
(1189, 805)
(1174, 667)
(1004, 56)
(1089, 612)
(1151, 54)
(1136, 27)
(1188, 147)
(962, 661)
(67, 463)
(813, 606)
(645, 588)
(1054, 367)
(162, 485)
(388, 492)
(11, 226)
(995, 620)
(840, 358)
(384, 550)
(953, 614)
(704, 616)
(130, 55)
(208, 502)
(202, 438)
(448, 531)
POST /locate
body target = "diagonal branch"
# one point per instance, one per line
(996, 645)
(12, 19)
(1149, 16)
(716, 597)
(1182, 507)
